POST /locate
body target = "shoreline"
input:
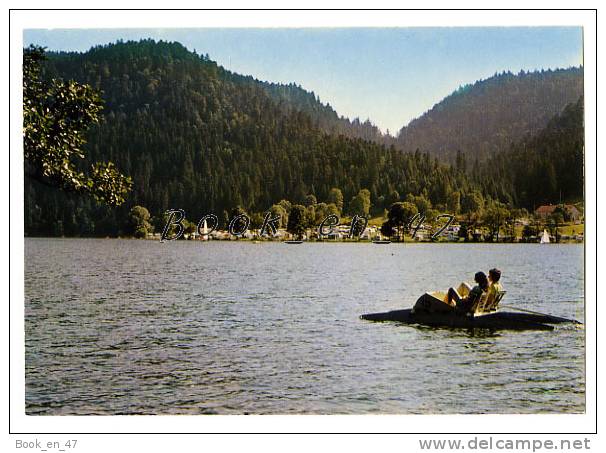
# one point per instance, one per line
(281, 241)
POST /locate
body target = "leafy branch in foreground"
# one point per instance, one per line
(56, 115)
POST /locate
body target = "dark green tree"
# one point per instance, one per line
(310, 200)
(399, 215)
(296, 221)
(286, 205)
(237, 221)
(392, 197)
(278, 210)
(323, 210)
(387, 229)
(453, 202)
(554, 222)
(360, 204)
(464, 232)
(139, 224)
(495, 215)
(310, 217)
(256, 221)
(529, 231)
(472, 202)
(420, 201)
(335, 196)
(564, 215)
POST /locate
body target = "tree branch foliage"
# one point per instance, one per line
(56, 116)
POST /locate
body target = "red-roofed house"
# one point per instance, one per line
(547, 210)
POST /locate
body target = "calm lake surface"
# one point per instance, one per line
(140, 327)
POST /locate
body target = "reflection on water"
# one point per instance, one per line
(140, 327)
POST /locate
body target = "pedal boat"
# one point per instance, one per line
(432, 309)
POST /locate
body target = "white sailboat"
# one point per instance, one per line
(545, 237)
(204, 235)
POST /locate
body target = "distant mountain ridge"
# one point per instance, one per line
(195, 136)
(479, 119)
(294, 97)
(289, 97)
(488, 116)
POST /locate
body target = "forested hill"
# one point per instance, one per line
(194, 136)
(149, 53)
(541, 169)
(486, 117)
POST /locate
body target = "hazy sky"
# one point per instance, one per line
(389, 75)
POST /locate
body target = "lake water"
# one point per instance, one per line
(143, 327)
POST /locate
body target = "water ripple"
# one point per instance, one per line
(139, 327)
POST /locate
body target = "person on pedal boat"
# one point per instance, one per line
(465, 303)
(494, 275)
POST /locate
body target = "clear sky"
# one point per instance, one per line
(389, 75)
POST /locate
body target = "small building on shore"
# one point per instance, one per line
(452, 232)
(545, 211)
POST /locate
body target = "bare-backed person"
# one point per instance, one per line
(465, 303)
